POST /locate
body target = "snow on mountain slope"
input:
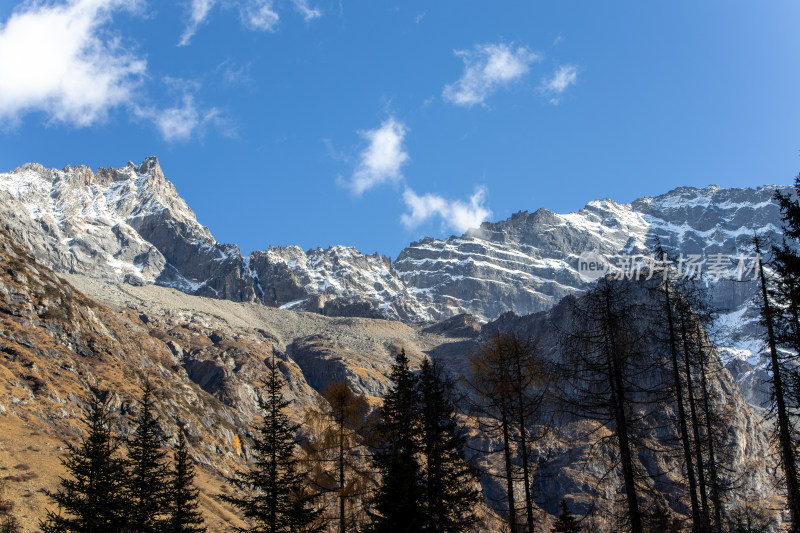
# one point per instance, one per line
(126, 224)
(339, 280)
(130, 225)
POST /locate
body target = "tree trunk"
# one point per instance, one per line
(784, 433)
(618, 403)
(712, 462)
(687, 450)
(341, 477)
(523, 438)
(512, 507)
(701, 477)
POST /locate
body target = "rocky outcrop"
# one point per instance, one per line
(130, 225)
(578, 458)
(122, 225)
(206, 359)
(337, 281)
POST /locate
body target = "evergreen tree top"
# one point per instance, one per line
(566, 523)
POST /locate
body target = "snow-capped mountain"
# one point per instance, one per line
(337, 281)
(126, 224)
(130, 225)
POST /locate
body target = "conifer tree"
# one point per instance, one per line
(781, 408)
(8, 522)
(276, 498)
(449, 482)
(184, 514)
(607, 356)
(506, 375)
(92, 499)
(398, 504)
(147, 470)
(566, 523)
(666, 288)
(338, 454)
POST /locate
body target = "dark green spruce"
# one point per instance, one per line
(147, 480)
(566, 522)
(92, 499)
(275, 491)
(184, 514)
(450, 485)
(398, 504)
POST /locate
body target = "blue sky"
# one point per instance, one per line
(374, 123)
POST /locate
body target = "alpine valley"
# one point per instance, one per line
(107, 276)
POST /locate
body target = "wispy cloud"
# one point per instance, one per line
(382, 159)
(309, 13)
(562, 78)
(55, 59)
(199, 11)
(487, 68)
(455, 214)
(258, 15)
(183, 121)
(381, 162)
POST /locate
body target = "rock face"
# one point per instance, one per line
(338, 281)
(743, 444)
(130, 225)
(206, 357)
(123, 225)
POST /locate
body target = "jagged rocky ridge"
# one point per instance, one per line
(204, 356)
(130, 225)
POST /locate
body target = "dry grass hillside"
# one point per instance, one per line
(59, 336)
(62, 334)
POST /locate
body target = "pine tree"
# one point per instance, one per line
(566, 522)
(147, 470)
(276, 495)
(398, 504)
(8, 522)
(184, 515)
(449, 482)
(92, 500)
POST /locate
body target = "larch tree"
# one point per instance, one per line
(339, 459)
(615, 375)
(780, 393)
(505, 380)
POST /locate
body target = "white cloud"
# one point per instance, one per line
(309, 13)
(199, 12)
(259, 15)
(59, 60)
(382, 159)
(487, 68)
(561, 79)
(455, 214)
(182, 122)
